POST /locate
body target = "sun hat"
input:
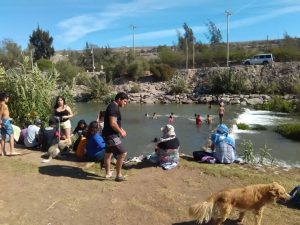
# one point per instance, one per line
(168, 129)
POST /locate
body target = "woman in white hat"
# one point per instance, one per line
(167, 148)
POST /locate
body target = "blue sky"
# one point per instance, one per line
(72, 23)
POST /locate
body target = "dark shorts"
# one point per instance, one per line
(221, 115)
(114, 145)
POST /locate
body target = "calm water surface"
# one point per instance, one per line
(142, 130)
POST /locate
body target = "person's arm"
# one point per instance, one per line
(100, 142)
(114, 125)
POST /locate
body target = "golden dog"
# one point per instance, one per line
(254, 197)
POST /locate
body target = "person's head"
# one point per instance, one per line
(222, 129)
(38, 122)
(121, 99)
(81, 124)
(93, 128)
(52, 122)
(60, 101)
(168, 131)
(4, 97)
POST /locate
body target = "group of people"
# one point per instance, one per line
(100, 140)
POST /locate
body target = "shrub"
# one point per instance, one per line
(135, 88)
(277, 104)
(291, 131)
(243, 126)
(44, 64)
(137, 68)
(98, 88)
(162, 72)
(246, 148)
(178, 86)
(265, 154)
(227, 82)
(31, 92)
(67, 71)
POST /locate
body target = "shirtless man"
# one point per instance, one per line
(221, 112)
(6, 126)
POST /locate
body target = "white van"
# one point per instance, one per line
(260, 59)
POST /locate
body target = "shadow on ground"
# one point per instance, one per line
(193, 222)
(68, 171)
(140, 165)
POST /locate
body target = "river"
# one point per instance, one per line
(141, 130)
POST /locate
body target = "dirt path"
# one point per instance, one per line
(67, 192)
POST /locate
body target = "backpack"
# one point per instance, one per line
(294, 201)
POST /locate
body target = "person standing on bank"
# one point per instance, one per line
(112, 132)
(6, 126)
(63, 113)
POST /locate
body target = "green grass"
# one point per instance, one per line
(291, 131)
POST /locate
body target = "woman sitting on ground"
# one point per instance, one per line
(167, 149)
(95, 146)
(223, 145)
(80, 131)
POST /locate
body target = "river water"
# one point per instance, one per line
(141, 130)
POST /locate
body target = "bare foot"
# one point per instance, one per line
(14, 153)
(109, 175)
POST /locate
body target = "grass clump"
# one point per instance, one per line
(243, 126)
(291, 131)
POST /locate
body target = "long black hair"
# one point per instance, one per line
(56, 101)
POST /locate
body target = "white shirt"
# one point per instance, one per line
(31, 136)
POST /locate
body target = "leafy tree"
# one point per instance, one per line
(10, 54)
(41, 41)
(188, 35)
(214, 34)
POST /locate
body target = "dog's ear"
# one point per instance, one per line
(274, 192)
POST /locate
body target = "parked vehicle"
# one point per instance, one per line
(260, 59)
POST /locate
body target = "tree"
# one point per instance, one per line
(10, 54)
(188, 35)
(41, 41)
(214, 34)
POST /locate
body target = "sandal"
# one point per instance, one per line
(120, 179)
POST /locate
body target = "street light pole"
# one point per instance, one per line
(227, 13)
(93, 61)
(133, 28)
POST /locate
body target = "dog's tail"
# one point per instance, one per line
(202, 212)
(47, 160)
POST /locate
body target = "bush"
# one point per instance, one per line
(44, 64)
(135, 88)
(137, 68)
(291, 131)
(227, 82)
(277, 104)
(98, 88)
(243, 126)
(67, 71)
(162, 72)
(178, 86)
(247, 151)
(31, 92)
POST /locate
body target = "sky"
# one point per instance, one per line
(72, 23)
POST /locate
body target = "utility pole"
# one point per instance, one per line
(227, 13)
(133, 28)
(93, 61)
(187, 54)
(193, 53)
